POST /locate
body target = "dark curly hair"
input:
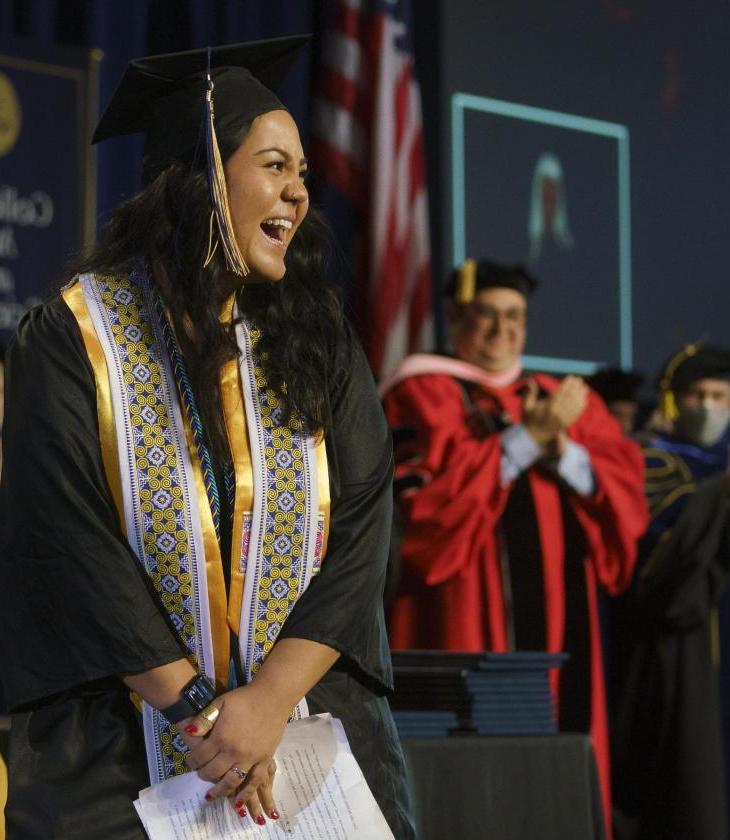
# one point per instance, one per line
(166, 225)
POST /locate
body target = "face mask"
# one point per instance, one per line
(703, 425)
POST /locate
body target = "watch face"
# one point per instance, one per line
(200, 693)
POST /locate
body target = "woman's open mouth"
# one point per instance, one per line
(275, 230)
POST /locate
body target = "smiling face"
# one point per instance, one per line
(266, 192)
(490, 331)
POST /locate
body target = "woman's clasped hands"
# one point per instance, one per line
(235, 748)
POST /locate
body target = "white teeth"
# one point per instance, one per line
(285, 223)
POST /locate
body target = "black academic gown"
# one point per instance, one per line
(667, 747)
(76, 610)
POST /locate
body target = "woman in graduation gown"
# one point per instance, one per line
(196, 489)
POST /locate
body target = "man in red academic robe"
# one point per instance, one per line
(518, 494)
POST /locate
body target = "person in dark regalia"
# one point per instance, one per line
(2, 394)
(196, 495)
(669, 779)
(619, 390)
(3, 767)
(519, 495)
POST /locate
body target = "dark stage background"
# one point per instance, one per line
(657, 68)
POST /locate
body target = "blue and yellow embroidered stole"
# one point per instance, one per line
(165, 493)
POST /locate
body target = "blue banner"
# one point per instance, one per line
(48, 104)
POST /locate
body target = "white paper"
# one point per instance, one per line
(319, 791)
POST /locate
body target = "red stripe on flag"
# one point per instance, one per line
(341, 91)
(402, 102)
(416, 167)
(339, 169)
(420, 304)
(348, 20)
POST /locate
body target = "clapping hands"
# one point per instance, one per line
(548, 418)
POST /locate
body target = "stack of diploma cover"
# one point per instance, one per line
(319, 789)
(438, 693)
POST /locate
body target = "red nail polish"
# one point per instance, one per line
(260, 819)
(208, 797)
(191, 729)
(242, 812)
(238, 804)
(274, 815)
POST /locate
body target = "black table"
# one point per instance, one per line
(517, 788)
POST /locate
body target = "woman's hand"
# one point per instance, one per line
(245, 736)
(250, 725)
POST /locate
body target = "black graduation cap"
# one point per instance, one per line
(475, 275)
(165, 97)
(693, 362)
(708, 361)
(615, 384)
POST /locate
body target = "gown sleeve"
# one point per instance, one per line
(343, 606)
(75, 606)
(616, 515)
(688, 571)
(460, 495)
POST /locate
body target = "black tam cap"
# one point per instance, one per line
(693, 362)
(614, 384)
(706, 362)
(475, 275)
(164, 96)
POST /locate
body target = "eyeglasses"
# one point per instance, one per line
(515, 315)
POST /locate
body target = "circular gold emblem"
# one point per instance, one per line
(9, 115)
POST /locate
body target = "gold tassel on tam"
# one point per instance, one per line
(219, 194)
(667, 399)
(466, 284)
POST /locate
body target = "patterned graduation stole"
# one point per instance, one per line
(287, 526)
(162, 483)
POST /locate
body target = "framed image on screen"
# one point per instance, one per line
(551, 191)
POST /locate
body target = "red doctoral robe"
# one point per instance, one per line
(451, 594)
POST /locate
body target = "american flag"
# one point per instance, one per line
(367, 143)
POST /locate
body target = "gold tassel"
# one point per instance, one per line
(667, 399)
(466, 284)
(217, 176)
(668, 406)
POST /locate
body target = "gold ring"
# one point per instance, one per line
(210, 713)
(240, 773)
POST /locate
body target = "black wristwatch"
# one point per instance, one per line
(196, 695)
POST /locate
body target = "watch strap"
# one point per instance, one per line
(196, 695)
